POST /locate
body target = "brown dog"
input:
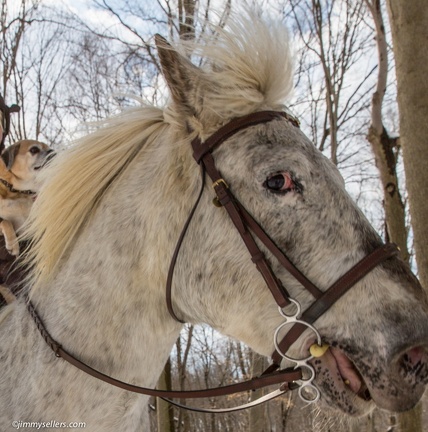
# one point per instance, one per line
(19, 166)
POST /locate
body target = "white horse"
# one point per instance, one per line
(106, 223)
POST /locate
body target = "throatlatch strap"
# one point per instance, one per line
(177, 250)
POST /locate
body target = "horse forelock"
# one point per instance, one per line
(247, 66)
(75, 182)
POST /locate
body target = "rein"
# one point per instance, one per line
(248, 228)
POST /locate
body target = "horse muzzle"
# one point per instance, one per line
(362, 377)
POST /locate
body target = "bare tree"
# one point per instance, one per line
(386, 147)
(333, 41)
(33, 62)
(164, 411)
(410, 33)
(258, 421)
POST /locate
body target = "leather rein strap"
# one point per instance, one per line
(247, 226)
(280, 377)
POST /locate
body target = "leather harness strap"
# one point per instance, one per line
(336, 291)
(202, 148)
(282, 377)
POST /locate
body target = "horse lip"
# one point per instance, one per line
(340, 365)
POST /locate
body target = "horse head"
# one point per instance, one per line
(377, 332)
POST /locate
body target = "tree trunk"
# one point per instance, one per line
(410, 35)
(384, 146)
(257, 421)
(183, 415)
(165, 418)
(411, 421)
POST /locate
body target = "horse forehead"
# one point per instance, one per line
(276, 143)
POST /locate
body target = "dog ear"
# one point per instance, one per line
(9, 155)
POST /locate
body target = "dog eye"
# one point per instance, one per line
(280, 183)
(34, 150)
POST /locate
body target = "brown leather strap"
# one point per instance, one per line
(200, 149)
(237, 213)
(229, 202)
(278, 254)
(337, 290)
(202, 155)
(279, 377)
(168, 290)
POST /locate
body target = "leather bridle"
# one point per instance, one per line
(248, 228)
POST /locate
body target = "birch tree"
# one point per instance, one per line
(408, 22)
(410, 35)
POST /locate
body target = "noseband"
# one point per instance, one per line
(248, 229)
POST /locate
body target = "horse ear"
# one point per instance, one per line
(180, 74)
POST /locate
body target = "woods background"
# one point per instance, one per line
(361, 95)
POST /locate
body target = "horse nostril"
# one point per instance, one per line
(414, 360)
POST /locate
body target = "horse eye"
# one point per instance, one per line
(34, 150)
(279, 183)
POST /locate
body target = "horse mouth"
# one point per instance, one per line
(350, 374)
(337, 374)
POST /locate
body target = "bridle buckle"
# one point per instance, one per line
(219, 182)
